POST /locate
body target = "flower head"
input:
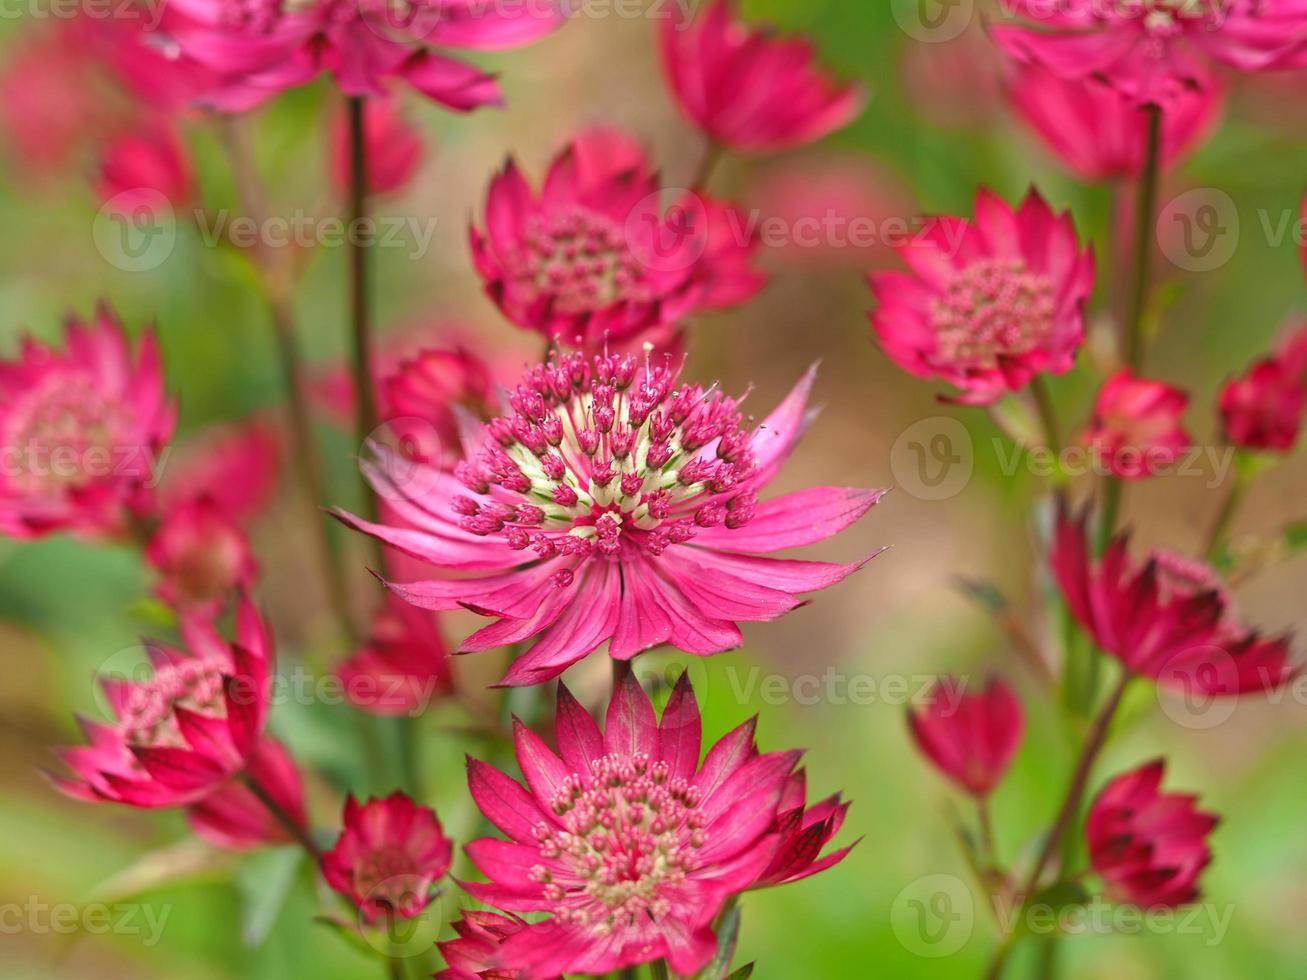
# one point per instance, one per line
(389, 856)
(473, 955)
(988, 303)
(748, 89)
(803, 831)
(422, 398)
(1149, 847)
(1137, 428)
(615, 505)
(187, 730)
(1263, 408)
(594, 257)
(403, 666)
(202, 556)
(139, 167)
(970, 738)
(629, 844)
(233, 817)
(234, 466)
(394, 149)
(86, 427)
(1167, 618)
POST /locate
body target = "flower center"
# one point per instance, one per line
(630, 830)
(993, 308)
(194, 684)
(388, 876)
(1182, 576)
(65, 439)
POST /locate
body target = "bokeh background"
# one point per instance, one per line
(936, 128)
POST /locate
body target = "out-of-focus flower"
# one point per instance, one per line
(1100, 134)
(394, 148)
(583, 836)
(615, 505)
(956, 83)
(185, 732)
(137, 167)
(234, 818)
(84, 431)
(202, 556)
(390, 855)
(422, 399)
(46, 105)
(970, 738)
(403, 667)
(1292, 351)
(257, 54)
(1149, 847)
(804, 831)
(475, 953)
(1263, 409)
(1137, 427)
(1167, 618)
(988, 303)
(234, 466)
(748, 89)
(595, 257)
(1154, 50)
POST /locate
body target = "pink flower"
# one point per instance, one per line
(85, 428)
(1137, 428)
(46, 104)
(403, 667)
(629, 844)
(423, 396)
(748, 89)
(1292, 351)
(472, 956)
(390, 855)
(202, 556)
(1101, 135)
(263, 49)
(234, 466)
(971, 738)
(989, 303)
(1149, 847)
(185, 732)
(803, 832)
(1155, 49)
(1167, 618)
(617, 506)
(395, 150)
(138, 167)
(595, 258)
(232, 817)
(1264, 408)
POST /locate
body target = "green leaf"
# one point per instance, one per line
(986, 594)
(743, 973)
(264, 883)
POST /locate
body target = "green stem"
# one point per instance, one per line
(712, 155)
(1047, 413)
(1110, 514)
(360, 247)
(659, 970)
(1145, 208)
(1234, 499)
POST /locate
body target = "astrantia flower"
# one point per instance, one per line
(233, 817)
(403, 666)
(140, 166)
(971, 738)
(1137, 429)
(748, 89)
(804, 831)
(1151, 50)
(234, 466)
(394, 149)
(201, 555)
(631, 847)
(1099, 133)
(614, 505)
(84, 431)
(389, 857)
(594, 258)
(1263, 408)
(423, 397)
(989, 303)
(187, 730)
(1149, 847)
(1167, 618)
(264, 47)
(473, 955)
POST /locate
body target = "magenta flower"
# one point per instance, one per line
(1101, 135)
(803, 832)
(748, 89)
(1137, 428)
(202, 556)
(232, 817)
(84, 431)
(394, 148)
(617, 506)
(259, 50)
(234, 466)
(403, 666)
(185, 732)
(1152, 50)
(629, 845)
(389, 857)
(425, 394)
(970, 738)
(1149, 847)
(595, 258)
(139, 166)
(472, 956)
(1167, 618)
(1263, 409)
(988, 303)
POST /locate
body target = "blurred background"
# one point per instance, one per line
(833, 677)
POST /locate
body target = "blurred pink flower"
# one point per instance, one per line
(1137, 428)
(1149, 847)
(748, 89)
(233, 466)
(803, 832)
(139, 166)
(232, 817)
(988, 303)
(970, 738)
(85, 429)
(46, 102)
(956, 83)
(403, 667)
(617, 506)
(395, 149)
(389, 856)
(1263, 409)
(580, 837)
(202, 556)
(425, 394)
(473, 955)
(1100, 134)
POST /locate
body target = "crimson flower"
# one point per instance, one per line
(988, 303)
(1149, 847)
(748, 89)
(389, 856)
(234, 818)
(1263, 409)
(139, 166)
(404, 664)
(970, 738)
(84, 430)
(804, 831)
(629, 845)
(201, 555)
(595, 257)
(1167, 618)
(394, 149)
(614, 505)
(1137, 429)
(472, 956)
